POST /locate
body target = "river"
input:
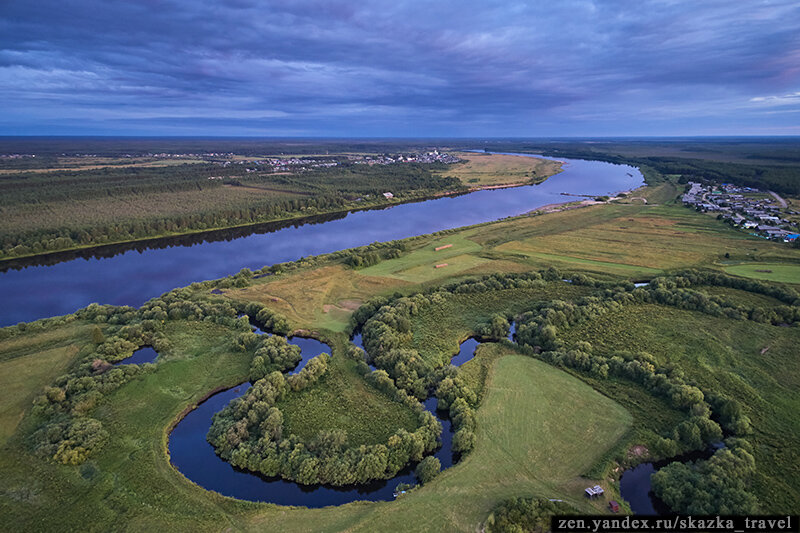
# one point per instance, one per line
(134, 276)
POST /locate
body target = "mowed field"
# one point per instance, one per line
(492, 170)
(322, 298)
(780, 272)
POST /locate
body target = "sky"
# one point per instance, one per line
(366, 68)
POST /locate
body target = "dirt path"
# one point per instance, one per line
(779, 199)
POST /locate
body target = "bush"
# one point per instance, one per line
(428, 469)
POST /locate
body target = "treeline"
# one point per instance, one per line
(54, 239)
(779, 178)
(71, 185)
(119, 147)
(249, 433)
(371, 257)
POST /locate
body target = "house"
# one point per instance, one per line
(388, 195)
(614, 506)
(791, 237)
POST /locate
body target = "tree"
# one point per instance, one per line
(97, 335)
(428, 469)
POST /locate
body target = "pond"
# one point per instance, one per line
(145, 354)
(465, 352)
(132, 274)
(635, 487)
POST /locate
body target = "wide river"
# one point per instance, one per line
(134, 276)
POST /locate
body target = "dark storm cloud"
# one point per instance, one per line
(398, 68)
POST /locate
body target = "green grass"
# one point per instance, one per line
(418, 265)
(343, 400)
(724, 356)
(783, 273)
(28, 363)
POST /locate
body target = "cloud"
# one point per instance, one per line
(328, 67)
(792, 98)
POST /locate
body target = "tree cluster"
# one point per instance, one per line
(249, 433)
(719, 485)
(529, 515)
(273, 353)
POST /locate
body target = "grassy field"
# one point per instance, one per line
(751, 362)
(343, 400)
(534, 449)
(323, 297)
(493, 170)
(419, 267)
(28, 363)
(780, 272)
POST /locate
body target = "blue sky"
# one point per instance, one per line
(394, 68)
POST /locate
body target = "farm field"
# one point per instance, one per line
(495, 170)
(780, 272)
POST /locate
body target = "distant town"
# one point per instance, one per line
(764, 213)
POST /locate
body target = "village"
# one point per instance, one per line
(763, 213)
(296, 164)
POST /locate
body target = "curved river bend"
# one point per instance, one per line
(195, 458)
(133, 277)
